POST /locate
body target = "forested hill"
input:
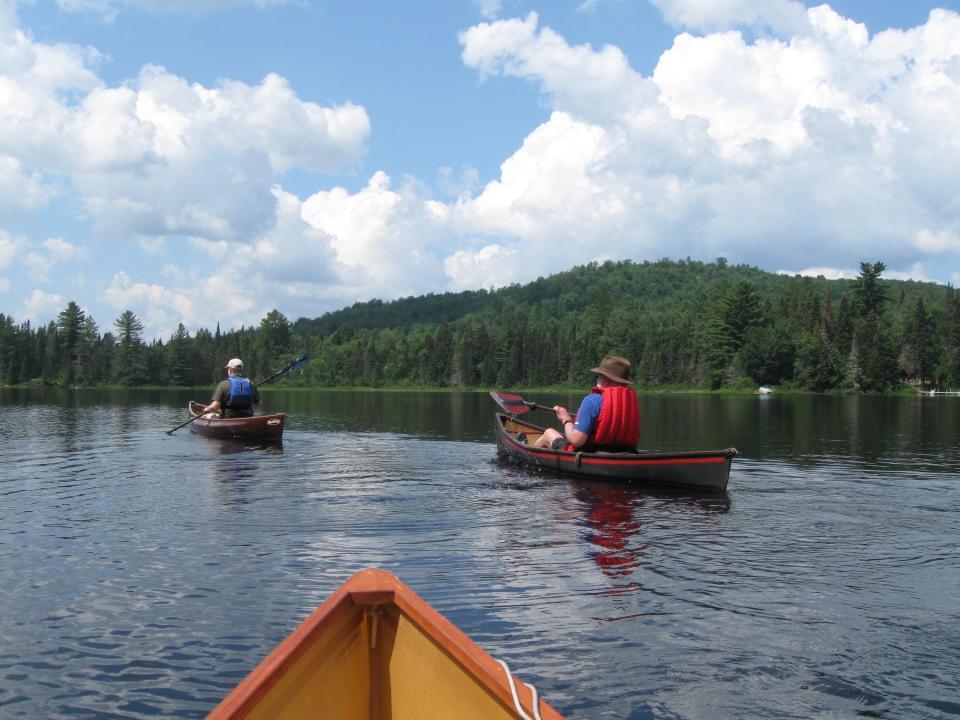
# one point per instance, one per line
(681, 323)
(656, 285)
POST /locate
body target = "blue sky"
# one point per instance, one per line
(206, 161)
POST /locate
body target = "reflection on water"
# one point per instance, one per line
(611, 526)
(143, 574)
(612, 523)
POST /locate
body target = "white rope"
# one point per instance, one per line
(516, 699)
(536, 702)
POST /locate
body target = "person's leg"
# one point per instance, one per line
(546, 440)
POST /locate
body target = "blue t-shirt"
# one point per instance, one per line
(588, 413)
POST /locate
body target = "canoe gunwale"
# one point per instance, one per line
(367, 589)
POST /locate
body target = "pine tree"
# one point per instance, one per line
(876, 356)
(948, 370)
(180, 357)
(919, 348)
(129, 357)
(70, 329)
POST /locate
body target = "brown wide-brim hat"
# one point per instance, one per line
(616, 368)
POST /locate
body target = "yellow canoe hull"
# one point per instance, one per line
(376, 651)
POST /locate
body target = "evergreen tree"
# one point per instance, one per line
(8, 349)
(876, 362)
(273, 338)
(740, 312)
(919, 349)
(948, 370)
(869, 293)
(769, 354)
(49, 347)
(87, 349)
(129, 357)
(180, 357)
(817, 367)
(70, 328)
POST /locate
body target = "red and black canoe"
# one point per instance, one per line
(705, 469)
(260, 428)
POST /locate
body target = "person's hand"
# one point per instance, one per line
(563, 415)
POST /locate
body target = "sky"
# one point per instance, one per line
(207, 161)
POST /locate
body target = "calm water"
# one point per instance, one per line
(143, 575)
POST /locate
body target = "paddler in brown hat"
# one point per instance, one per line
(608, 418)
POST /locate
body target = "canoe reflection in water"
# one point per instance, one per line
(612, 525)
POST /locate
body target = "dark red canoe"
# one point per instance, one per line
(261, 428)
(706, 469)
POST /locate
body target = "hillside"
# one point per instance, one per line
(682, 324)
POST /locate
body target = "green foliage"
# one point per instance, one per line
(919, 344)
(70, 324)
(948, 364)
(681, 323)
(129, 356)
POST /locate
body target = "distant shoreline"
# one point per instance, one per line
(906, 390)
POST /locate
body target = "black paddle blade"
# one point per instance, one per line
(513, 404)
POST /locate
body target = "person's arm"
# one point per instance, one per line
(217, 402)
(573, 436)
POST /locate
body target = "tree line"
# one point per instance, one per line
(683, 324)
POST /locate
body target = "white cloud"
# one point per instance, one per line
(292, 266)
(59, 250)
(489, 9)
(4, 285)
(52, 252)
(159, 155)
(938, 241)
(235, 139)
(593, 84)
(788, 16)
(20, 191)
(828, 273)
(10, 247)
(489, 266)
(829, 145)
(385, 239)
(161, 308)
(915, 272)
(42, 307)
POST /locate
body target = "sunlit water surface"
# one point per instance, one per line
(144, 574)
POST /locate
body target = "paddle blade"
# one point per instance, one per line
(299, 362)
(513, 404)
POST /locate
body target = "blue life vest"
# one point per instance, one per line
(241, 395)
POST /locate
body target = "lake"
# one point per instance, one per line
(144, 574)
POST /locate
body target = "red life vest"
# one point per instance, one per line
(619, 421)
(618, 424)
